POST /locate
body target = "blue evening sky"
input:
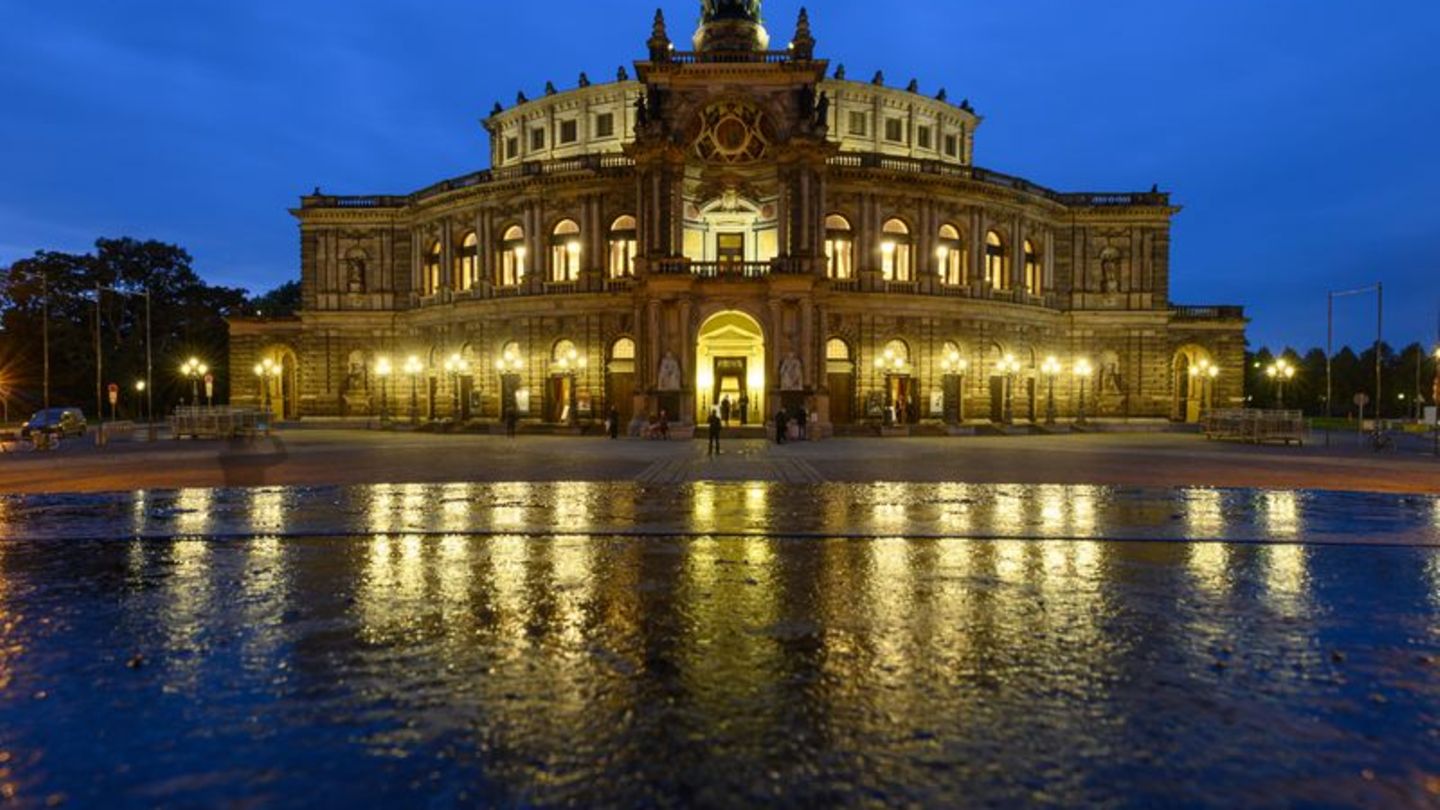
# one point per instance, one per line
(1300, 135)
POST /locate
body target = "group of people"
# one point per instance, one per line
(739, 410)
(791, 423)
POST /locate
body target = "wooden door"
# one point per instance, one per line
(842, 398)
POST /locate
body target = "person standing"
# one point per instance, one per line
(802, 416)
(614, 419)
(744, 408)
(725, 410)
(664, 424)
(511, 421)
(780, 424)
(713, 446)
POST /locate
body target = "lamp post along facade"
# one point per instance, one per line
(1083, 372)
(413, 367)
(383, 370)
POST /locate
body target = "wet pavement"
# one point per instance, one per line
(720, 645)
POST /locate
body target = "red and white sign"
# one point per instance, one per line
(114, 393)
(209, 386)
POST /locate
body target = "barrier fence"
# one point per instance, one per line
(216, 422)
(1254, 426)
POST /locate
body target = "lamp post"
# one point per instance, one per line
(570, 364)
(195, 370)
(383, 370)
(1083, 370)
(1280, 372)
(953, 366)
(1203, 373)
(413, 367)
(891, 364)
(456, 367)
(1008, 368)
(1050, 368)
(140, 399)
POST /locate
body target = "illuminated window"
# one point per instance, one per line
(467, 262)
(894, 130)
(857, 123)
(837, 349)
(1032, 269)
(565, 251)
(997, 264)
(950, 256)
(895, 251)
(623, 247)
(605, 125)
(430, 281)
(623, 349)
(569, 131)
(839, 248)
(512, 257)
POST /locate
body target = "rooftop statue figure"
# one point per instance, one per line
(711, 10)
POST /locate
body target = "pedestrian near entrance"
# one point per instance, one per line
(664, 424)
(713, 447)
(801, 418)
(512, 420)
(782, 420)
(744, 408)
(614, 420)
(725, 409)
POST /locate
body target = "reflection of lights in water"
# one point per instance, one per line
(1286, 572)
(455, 507)
(1209, 565)
(572, 505)
(509, 562)
(1009, 512)
(1204, 516)
(1009, 559)
(453, 571)
(509, 511)
(267, 510)
(890, 602)
(412, 506)
(187, 592)
(139, 509)
(193, 511)
(757, 503)
(1055, 557)
(954, 500)
(380, 509)
(573, 581)
(888, 506)
(1086, 558)
(1282, 514)
(703, 514)
(1082, 509)
(1052, 507)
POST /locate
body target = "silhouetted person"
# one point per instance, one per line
(801, 418)
(713, 446)
(614, 419)
(664, 424)
(725, 409)
(781, 419)
(512, 420)
(744, 408)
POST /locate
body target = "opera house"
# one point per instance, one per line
(736, 218)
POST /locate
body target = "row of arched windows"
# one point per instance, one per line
(511, 266)
(897, 259)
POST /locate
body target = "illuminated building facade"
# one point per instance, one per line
(740, 221)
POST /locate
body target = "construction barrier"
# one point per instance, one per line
(1256, 427)
(216, 423)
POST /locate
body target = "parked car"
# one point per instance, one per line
(60, 422)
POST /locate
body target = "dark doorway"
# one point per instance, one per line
(997, 399)
(842, 398)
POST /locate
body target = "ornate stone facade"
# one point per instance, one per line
(740, 222)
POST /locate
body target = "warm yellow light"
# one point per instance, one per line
(961, 365)
(887, 247)
(139, 385)
(1051, 366)
(383, 367)
(1083, 367)
(412, 365)
(573, 248)
(259, 370)
(1214, 372)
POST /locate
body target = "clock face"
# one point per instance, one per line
(732, 132)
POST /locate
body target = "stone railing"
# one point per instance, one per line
(728, 57)
(595, 163)
(1207, 313)
(893, 163)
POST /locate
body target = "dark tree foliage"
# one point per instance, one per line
(1407, 380)
(281, 302)
(187, 319)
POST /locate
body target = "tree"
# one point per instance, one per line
(187, 318)
(281, 302)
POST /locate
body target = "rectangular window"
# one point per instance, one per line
(569, 132)
(894, 130)
(605, 125)
(537, 138)
(512, 147)
(952, 146)
(857, 123)
(922, 137)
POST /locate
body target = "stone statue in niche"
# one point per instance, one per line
(355, 373)
(1110, 270)
(669, 378)
(792, 373)
(355, 272)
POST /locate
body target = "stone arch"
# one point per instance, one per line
(1188, 394)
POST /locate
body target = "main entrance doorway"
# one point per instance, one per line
(730, 362)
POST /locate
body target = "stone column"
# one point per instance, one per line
(686, 354)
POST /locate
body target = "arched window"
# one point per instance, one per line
(467, 262)
(510, 360)
(837, 349)
(623, 247)
(565, 251)
(1032, 269)
(997, 266)
(565, 357)
(895, 251)
(430, 283)
(839, 248)
(894, 357)
(950, 253)
(512, 257)
(622, 356)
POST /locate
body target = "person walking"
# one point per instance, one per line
(802, 416)
(744, 408)
(614, 420)
(664, 425)
(712, 448)
(725, 409)
(781, 422)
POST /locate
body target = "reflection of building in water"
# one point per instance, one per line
(1281, 515)
(744, 224)
(1204, 514)
(192, 511)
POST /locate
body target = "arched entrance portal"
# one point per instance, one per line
(1189, 388)
(283, 394)
(730, 362)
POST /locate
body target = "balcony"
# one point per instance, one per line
(1208, 313)
(873, 160)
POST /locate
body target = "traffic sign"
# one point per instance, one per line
(1362, 399)
(114, 393)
